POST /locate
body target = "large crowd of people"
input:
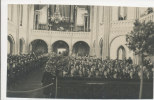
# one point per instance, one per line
(19, 66)
(96, 68)
(109, 69)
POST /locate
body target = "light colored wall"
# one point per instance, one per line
(130, 13)
(119, 41)
(98, 29)
(114, 13)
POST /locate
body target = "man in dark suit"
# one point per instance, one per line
(129, 60)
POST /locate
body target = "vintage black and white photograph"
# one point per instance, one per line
(80, 51)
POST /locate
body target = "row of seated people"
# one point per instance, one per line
(97, 68)
(19, 66)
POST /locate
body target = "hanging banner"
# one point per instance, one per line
(43, 15)
(80, 16)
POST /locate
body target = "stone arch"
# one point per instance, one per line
(115, 38)
(81, 48)
(10, 45)
(38, 46)
(101, 46)
(60, 47)
(116, 43)
(121, 53)
(22, 45)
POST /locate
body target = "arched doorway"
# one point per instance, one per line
(61, 48)
(121, 53)
(101, 47)
(39, 47)
(81, 48)
(22, 44)
(10, 45)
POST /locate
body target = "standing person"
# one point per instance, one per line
(130, 60)
(47, 79)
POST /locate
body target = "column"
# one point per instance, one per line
(136, 12)
(97, 48)
(70, 50)
(107, 16)
(30, 47)
(17, 32)
(50, 49)
(91, 29)
(29, 25)
(94, 30)
(75, 12)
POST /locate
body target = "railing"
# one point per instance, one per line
(65, 28)
(147, 17)
(102, 89)
(60, 33)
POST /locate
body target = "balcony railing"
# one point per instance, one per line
(68, 29)
(147, 17)
(61, 33)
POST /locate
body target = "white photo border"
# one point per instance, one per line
(4, 29)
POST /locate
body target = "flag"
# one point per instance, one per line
(43, 15)
(80, 16)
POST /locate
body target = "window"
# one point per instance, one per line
(21, 14)
(149, 10)
(122, 13)
(121, 53)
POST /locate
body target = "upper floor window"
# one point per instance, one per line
(21, 14)
(122, 13)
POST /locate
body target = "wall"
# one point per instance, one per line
(117, 42)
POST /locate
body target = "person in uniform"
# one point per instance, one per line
(130, 60)
(48, 78)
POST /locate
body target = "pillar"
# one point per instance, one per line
(97, 47)
(17, 32)
(107, 18)
(29, 27)
(50, 48)
(91, 30)
(70, 49)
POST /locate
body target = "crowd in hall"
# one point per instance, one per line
(112, 69)
(19, 66)
(97, 68)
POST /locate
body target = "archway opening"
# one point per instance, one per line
(81, 48)
(10, 45)
(22, 44)
(61, 48)
(121, 53)
(39, 47)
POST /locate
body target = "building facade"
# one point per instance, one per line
(78, 30)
